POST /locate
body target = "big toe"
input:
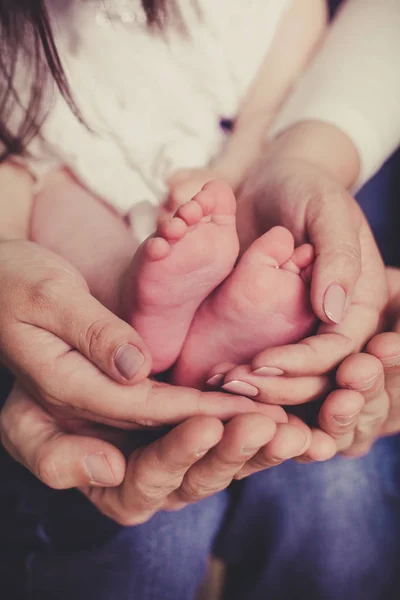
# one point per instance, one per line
(277, 244)
(219, 197)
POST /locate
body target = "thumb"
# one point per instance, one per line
(58, 459)
(77, 318)
(334, 230)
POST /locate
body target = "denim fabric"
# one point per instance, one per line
(56, 546)
(323, 531)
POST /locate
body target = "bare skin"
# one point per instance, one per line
(176, 270)
(264, 302)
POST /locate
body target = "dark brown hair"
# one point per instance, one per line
(25, 32)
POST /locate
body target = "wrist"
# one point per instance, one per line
(320, 144)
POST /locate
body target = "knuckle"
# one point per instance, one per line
(346, 256)
(152, 493)
(349, 254)
(45, 293)
(194, 491)
(98, 336)
(46, 470)
(367, 428)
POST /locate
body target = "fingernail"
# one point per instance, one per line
(249, 451)
(240, 388)
(303, 460)
(128, 360)
(362, 386)
(391, 361)
(334, 303)
(200, 453)
(344, 420)
(215, 379)
(98, 469)
(268, 371)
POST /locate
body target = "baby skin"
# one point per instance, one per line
(195, 309)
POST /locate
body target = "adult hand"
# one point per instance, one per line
(301, 184)
(376, 375)
(348, 288)
(77, 358)
(196, 459)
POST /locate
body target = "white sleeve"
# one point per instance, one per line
(354, 82)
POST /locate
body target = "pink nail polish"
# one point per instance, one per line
(334, 303)
(268, 371)
(128, 360)
(215, 379)
(241, 388)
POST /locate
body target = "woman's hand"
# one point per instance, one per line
(376, 375)
(348, 288)
(301, 184)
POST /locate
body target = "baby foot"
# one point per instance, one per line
(264, 302)
(176, 269)
(183, 185)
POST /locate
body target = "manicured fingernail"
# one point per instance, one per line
(240, 388)
(344, 420)
(98, 469)
(128, 360)
(334, 303)
(215, 379)
(268, 371)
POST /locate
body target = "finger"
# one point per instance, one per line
(275, 389)
(322, 447)
(58, 459)
(386, 348)
(243, 436)
(92, 395)
(217, 374)
(364, 373)
(155, 471)
(339, 415)
(334, 226)
(323, 352)
(290, 440)
(66, 309)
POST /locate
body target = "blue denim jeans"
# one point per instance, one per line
(55, 545)
(320, 531)
(323, 531)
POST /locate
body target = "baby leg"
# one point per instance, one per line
(72, 222)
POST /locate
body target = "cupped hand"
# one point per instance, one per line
(348, 287)
(375, 374)
(128, 483)
(77, 358)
